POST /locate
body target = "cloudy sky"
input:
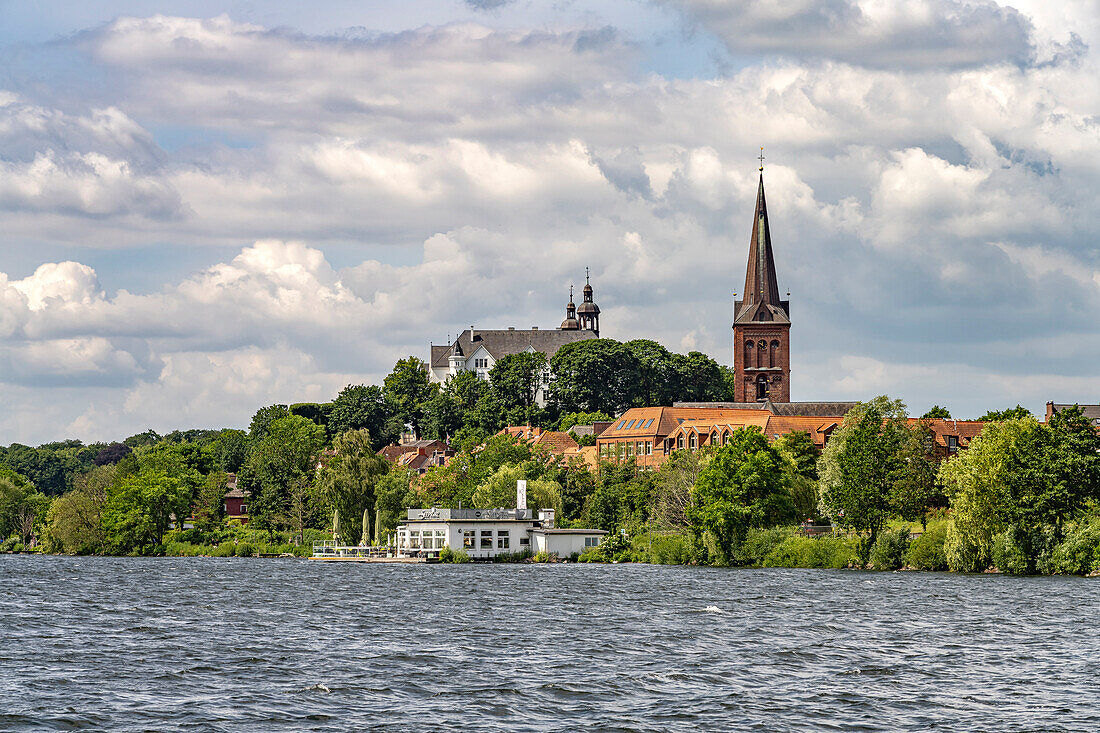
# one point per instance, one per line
(208, 206)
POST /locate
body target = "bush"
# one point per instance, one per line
(927, 551)
(963, 554)
(1019, 552)
(759, 543)
(517, 556)
(668, 549)
(813, 552)
(244, 549)
(225, 549)
(890, 549)
(591, 554)
(543, 557)
(448, 555)
(1079, 553)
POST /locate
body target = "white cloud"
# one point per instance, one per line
(463, 175)
(875, 33)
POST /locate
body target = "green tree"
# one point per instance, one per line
(973, 480)
(594, 375)
(861, 464)
(361, 407)
(139, 510)
(231, 450)
(658, 373)
(698, 378)
(406, 388)
(673, 490)
(515, 379)
(937, 412)
(499, 490)
(917, 485)
(798, 447)
(264, 417)
(22, 508)
(1012, 413)
(350, 478)
(742, 487)
(209, 505)
(287, 453)
(394, 496)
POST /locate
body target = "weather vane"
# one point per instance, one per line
(761, 158)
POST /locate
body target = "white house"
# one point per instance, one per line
(485, 533)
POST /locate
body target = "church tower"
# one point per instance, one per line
(761, 321)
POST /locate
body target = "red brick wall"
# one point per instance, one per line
(779, 377)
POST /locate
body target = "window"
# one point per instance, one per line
(524, 541)
(225, 506)
(629, 450)
(486, 539)
(726, 438)
(591, 541)
(772, 354)
(502, 539)
(414, 540)
(630, 424)
(691, 441)
(748, 353)
(244, 509)
(714, 438)
(680, 441)
(952, 443)
(650, 422)
(622, 450)
(469, 539)
(621, 425)
(761, 388)
(649, 447)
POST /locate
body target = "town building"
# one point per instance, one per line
(761, 321)
(235, 503)
(477, 350)
(649, 435)
(1092, 412)
(418, 455)
(949, 436)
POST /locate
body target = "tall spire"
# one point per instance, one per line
(761, 285)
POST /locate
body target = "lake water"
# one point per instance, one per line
(250, 644)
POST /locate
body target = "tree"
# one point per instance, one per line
(516, 378)
(231, 450)
(594, 375)
(264, 417)
(348, 481)
(973, 480)
(740, 488)
(937, 412)
(20, 507)
(74, 524)
(798, 447)
(139, 510)
(860, 465)
(698, 378)
(917, 485)
(675, 481)
(406, 388)
(499, 490)
(112, 453)
(658, 376)
(209, 506)
(360, 407)
(393, 497)
(1012, 413)
(287, 453)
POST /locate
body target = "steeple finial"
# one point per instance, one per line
(761, 158)
(585, 275)
(570, 293)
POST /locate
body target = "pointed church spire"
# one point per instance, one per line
(760, 281)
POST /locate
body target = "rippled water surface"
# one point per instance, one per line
(239, 644)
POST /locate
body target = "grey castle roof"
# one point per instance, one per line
(502, 342)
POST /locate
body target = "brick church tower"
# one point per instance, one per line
(761, 322)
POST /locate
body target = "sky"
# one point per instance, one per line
(207, 207)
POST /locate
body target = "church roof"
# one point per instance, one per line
(760, 299)
(784, 409)
(502, 342)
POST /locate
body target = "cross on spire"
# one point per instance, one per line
(761, 158)
(586, 276)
